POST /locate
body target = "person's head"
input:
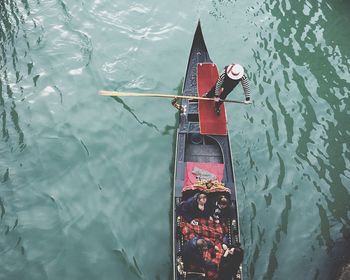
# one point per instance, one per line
(238, 253)
(235, 71)
(222, 202)
(201, 198)
(202, 244)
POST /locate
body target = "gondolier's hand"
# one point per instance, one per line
(216, 98)
(194, 223)
(247, 102)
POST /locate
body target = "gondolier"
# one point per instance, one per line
(227, 81)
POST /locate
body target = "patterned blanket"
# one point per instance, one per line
(210, 231)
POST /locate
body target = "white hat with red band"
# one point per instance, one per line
(235, 71)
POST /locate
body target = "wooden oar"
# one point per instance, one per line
(117, 93)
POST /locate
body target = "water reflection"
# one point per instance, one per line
(14, 60)
(302, 61)
(16, 69)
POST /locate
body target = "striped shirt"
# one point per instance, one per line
(244, 82)
(246, 88)
(219, 82)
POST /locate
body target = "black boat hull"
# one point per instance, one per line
(191, 146)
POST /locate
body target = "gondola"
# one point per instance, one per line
(196, 150)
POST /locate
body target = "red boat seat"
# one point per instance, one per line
(209, 122)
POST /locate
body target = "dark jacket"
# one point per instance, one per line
(229, 265)
(189, 209)
(222, 214)
(192, 255)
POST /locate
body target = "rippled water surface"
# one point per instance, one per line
(86, 181)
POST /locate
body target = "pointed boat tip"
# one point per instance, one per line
(198, 32)
(198, 35)
(199, 24)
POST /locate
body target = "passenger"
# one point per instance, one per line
(230, 262)
(228, 80)
(193, 254)
(195, 207)
(222, 210)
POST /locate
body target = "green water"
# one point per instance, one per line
(86, 181)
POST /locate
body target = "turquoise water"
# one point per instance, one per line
(86, 181)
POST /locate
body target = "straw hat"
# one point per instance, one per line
(235, 71)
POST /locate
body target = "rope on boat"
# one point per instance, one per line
(177, 105)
